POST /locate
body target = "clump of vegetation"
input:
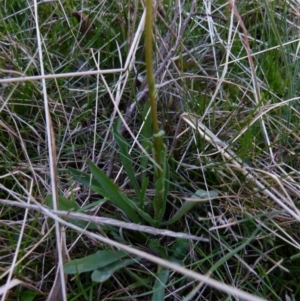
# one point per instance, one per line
(149, 150)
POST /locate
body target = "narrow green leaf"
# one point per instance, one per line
(143, 192)
(160, 284)
(180, 248)
(63, 203)
(166, 179)
(113, 193)
(144, 161)
(105, 187)
(104, 274)
(161, 188)
(296, 256)
(127, 161)
(92, 205)
(146, 135)
(82, 177)
(158, 199)
(70, 205)
(146, 131)
(28, 295)
(203, 194)
(188, 205)
(142, 213)
(92, 262)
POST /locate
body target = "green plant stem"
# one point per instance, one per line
(151, 85)
(158, 202)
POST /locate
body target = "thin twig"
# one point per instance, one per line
(105, 221)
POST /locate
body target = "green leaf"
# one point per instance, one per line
(112, 192)
(92, 205)
(82, 177)
(28, 295)
(161, 188)
(146, 132)
(63, 203)
(158, 201)
(105, 187)
(143, 192)
(296, 256)
(144, 160)
(146, 137)
(188, 205)
(203, 194)
(180, 248)
(160, 284)
(132, 203)
(126, 160)
(104, 274)
(92, 262)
